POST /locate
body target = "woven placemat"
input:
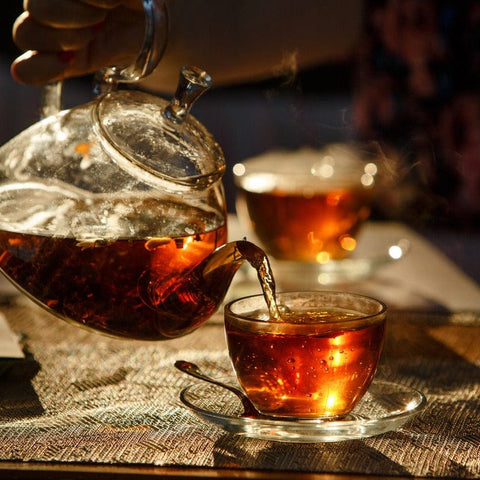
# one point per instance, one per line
(83, 397)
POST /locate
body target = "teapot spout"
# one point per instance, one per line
(190, 303)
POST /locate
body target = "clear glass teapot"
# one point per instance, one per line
(112, 214)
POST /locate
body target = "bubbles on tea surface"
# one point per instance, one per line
(305, 317)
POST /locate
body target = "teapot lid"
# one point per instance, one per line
(167, 143)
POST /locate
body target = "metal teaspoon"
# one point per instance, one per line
(191, 369)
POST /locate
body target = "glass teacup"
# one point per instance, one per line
(316, 362)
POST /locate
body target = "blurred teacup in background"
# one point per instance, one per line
(307, 205)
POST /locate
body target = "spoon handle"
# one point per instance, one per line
(193, 370)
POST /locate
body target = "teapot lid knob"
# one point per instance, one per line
(159, 139)
(193, 82)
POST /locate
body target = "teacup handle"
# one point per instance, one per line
(154, 43)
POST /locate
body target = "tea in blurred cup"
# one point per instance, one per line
(306, 205)
(317, 361)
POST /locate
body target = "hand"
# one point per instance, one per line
(64, 38)
(235, 41)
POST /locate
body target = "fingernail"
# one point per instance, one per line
(66, 56)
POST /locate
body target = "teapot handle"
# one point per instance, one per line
(153, 47)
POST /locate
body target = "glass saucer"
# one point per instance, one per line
(385, 407)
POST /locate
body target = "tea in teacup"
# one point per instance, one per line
(318, 360)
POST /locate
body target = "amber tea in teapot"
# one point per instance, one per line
(116, 287)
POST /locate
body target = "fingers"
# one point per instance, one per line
(50, 51)
(31, 35)
(34, 68)
(103, 3)
(65, 13)
(54, 53)
(38, 68)
(64, 38)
